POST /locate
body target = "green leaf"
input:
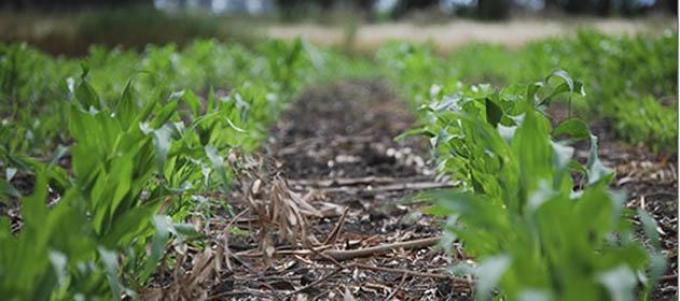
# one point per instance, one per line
(562, 154)
(657, 267)
(120, 180)
(127, 107)
(532, 90)
(146, 111)
(110, 261)
(87, 97)
(193, 101)
(127, 226)
(233, 126)
(212, 101)
(532, 148)
(649, 225)
(494, 113)
(573, 127)
(218, 165)
(489, 273)
(564, 76)
(34, 207)
(8, 189)
(424, 131)
(534, 295)
(162, 139)
(163, 225)
(186, 230)
(59, 261)
(596, 170)
(474, 207)
(164, 115)
(507, 132)
(620, 282)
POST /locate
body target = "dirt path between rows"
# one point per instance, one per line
(336, 148)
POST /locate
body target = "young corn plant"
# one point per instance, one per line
(109, 205)
(540, 224)
(120, 165)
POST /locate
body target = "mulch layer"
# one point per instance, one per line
(336, 147)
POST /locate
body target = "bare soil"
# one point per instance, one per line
(338, 141)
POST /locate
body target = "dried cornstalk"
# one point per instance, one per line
(276, 207)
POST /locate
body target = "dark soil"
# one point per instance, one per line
(345, 130)
(338, 140)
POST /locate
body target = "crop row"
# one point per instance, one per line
(105, 158)
(108, 156)
(540, 223)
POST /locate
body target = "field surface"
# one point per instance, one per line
(541, 170)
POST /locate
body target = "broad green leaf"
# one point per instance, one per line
(127, 107)
(493, 112)
(218, 165)
(532, 149)
(574, 128)
(534, 295)
(532, 90)
(87, 97)
(162, 141)
(564, 76)
(596, 170)
(9, 173)
(620, 282)
(489, 273)
(562, 154)
(212, 101)
(186, 230)
(34, 207)
(59, 261)
(507, 132)
(110, 261)
(193, 101)
(163, 225)
(8, 189)
(164, 114)
(120, 180)
(127, 226)
(649, 225)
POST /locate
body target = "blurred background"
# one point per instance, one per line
(70, 27)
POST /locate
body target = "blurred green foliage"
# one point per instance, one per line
(540, 224)
(128, 146)
(534, 231)
(73, 33)
(627, 77)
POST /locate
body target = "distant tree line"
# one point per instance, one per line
(499, 9)
(484, 9)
